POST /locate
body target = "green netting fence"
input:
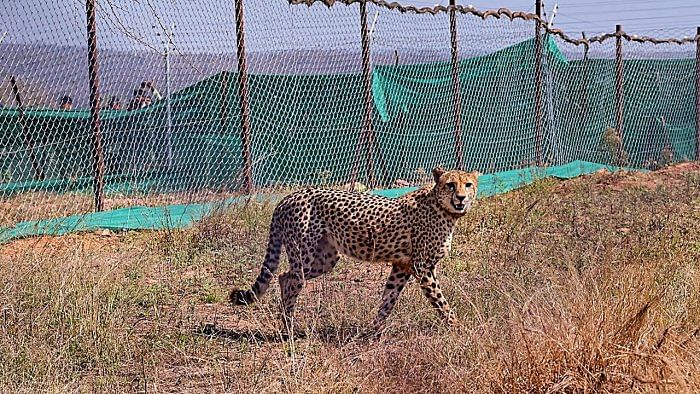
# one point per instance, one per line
(308, 124)
(207, 153)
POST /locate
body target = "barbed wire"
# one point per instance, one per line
(498, 13)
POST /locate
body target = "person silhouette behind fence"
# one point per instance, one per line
(141, 97)
(138, 101)
(66, 103)
(114, 103)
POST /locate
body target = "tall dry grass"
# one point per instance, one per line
(578, 286)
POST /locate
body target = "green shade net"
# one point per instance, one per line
(181, 216)
(308, 130)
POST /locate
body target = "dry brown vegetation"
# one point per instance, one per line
(586, 285)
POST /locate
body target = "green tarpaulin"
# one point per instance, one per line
(308, 129)
(180, 216)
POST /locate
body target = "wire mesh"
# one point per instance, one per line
(170, 100)
(659, 103)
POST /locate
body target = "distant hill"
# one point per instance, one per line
(32, 95)
(54, 71)
(48, 72)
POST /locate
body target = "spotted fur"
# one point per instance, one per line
(412, 233)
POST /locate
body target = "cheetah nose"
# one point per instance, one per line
(461, 198)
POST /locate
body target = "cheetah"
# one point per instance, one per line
(412, 233)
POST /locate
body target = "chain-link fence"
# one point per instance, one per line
(181, 102)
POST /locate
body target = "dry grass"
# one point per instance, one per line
(581, 286)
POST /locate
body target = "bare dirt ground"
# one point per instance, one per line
(590, 284)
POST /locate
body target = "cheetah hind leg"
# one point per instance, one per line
(325, 258)
(291, 283)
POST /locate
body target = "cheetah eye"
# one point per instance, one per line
(469, 184)
(452, 186)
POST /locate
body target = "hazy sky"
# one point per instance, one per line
(63, 21)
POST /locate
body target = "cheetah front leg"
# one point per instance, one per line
(392, 290)
(430, 286)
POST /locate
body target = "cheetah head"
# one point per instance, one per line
(455, 190)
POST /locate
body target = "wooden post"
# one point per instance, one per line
(26, 133)
(697, 94)
(93, 69)
(619, 92)
(367, 79)
(585, 80)
(220, 160)
(244, 100)
(223, 113)
(538, 85)
(584, 91)
(168, 108)
(456, 88)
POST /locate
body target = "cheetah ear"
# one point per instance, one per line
(477, 174)
(437, 173)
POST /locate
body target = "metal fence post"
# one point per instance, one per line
(28, 141)
(456, 87)
(619, 92)
(697, 94)
(367, 79)
(93, 68)
(538, 84)
(244, 100)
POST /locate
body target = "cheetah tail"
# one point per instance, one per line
(267, 271)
